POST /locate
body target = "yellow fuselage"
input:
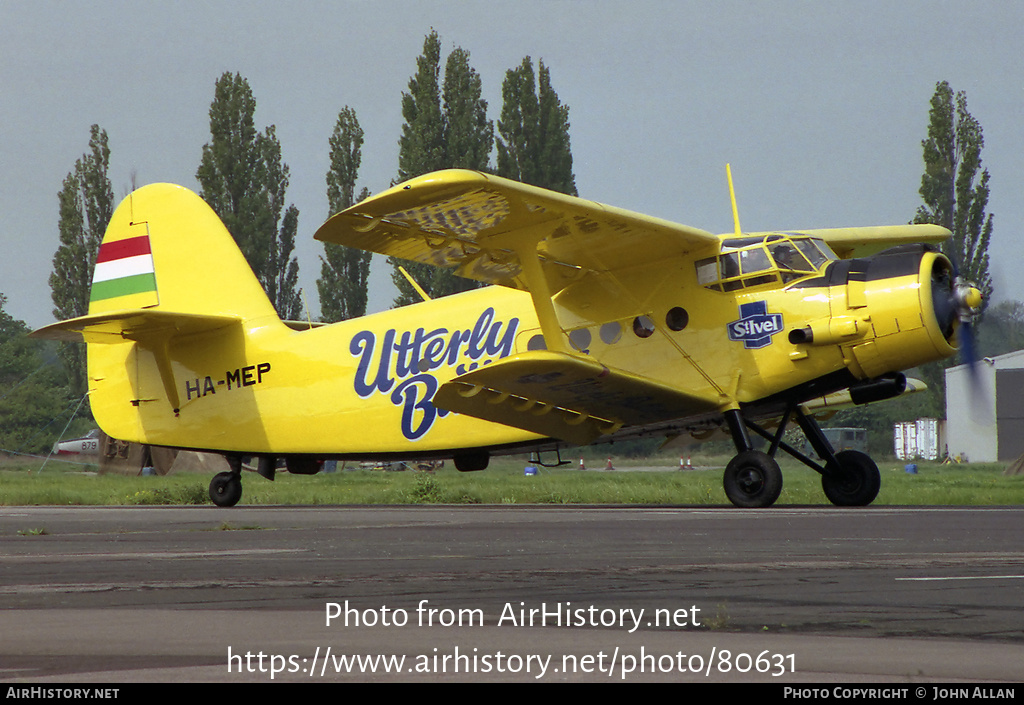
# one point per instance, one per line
(364, 387)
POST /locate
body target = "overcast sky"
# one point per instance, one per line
(819, 106)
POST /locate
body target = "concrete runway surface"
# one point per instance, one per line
(185, 594)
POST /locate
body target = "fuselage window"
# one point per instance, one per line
(643, 327)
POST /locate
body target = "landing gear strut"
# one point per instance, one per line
(753, 479)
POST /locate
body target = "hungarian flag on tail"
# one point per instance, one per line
(124, 276)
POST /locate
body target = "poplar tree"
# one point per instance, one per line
(86, 204)
(468, 134)
(242, 177)
(468, 139)
(421, 146)
(954, 187)
(533, 132)
(443, 129)
(955, 196)
(344, 271)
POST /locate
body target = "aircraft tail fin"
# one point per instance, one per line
(166, 263)
(167, 269)
(166, 249)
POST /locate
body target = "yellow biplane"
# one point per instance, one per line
(603, 324)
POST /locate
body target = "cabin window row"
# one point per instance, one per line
(749, 262)
(676, 319)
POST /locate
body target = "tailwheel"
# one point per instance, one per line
(856, 481)
(753, 479)
(226, 489)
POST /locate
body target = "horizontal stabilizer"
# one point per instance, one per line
(564, 396)
(141, 325)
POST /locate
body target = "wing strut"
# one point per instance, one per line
(537, 284)
(415, 284)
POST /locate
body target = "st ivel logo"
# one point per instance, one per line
(755, 326)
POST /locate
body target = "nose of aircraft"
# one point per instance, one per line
(968, 300)
(955, 301)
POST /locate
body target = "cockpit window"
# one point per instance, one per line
(816, 251)
(730, 265)
(792, 265)
(745, 262)
(786, 256)
(754, 260)
(707, 271)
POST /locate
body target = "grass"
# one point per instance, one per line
(22, 483)
(40, 531)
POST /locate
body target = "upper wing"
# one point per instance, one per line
(864, 242)
(485, 227)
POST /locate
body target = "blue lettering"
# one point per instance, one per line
(415, 395)
(433, 354)
(476, 339)
(417, 353)
(452, 353)
(361, 346)
(503, 347)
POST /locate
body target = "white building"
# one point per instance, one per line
(985, 418)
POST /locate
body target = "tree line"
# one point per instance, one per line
(243, 178)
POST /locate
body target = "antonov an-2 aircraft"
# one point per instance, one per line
(602, 324)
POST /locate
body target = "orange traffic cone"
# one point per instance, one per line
(582, 466)
(609, 465)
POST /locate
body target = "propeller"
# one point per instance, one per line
(957, 303)
(967, 300)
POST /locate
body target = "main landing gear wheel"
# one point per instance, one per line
(857, 482)
(226, 489)
(753, 479)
